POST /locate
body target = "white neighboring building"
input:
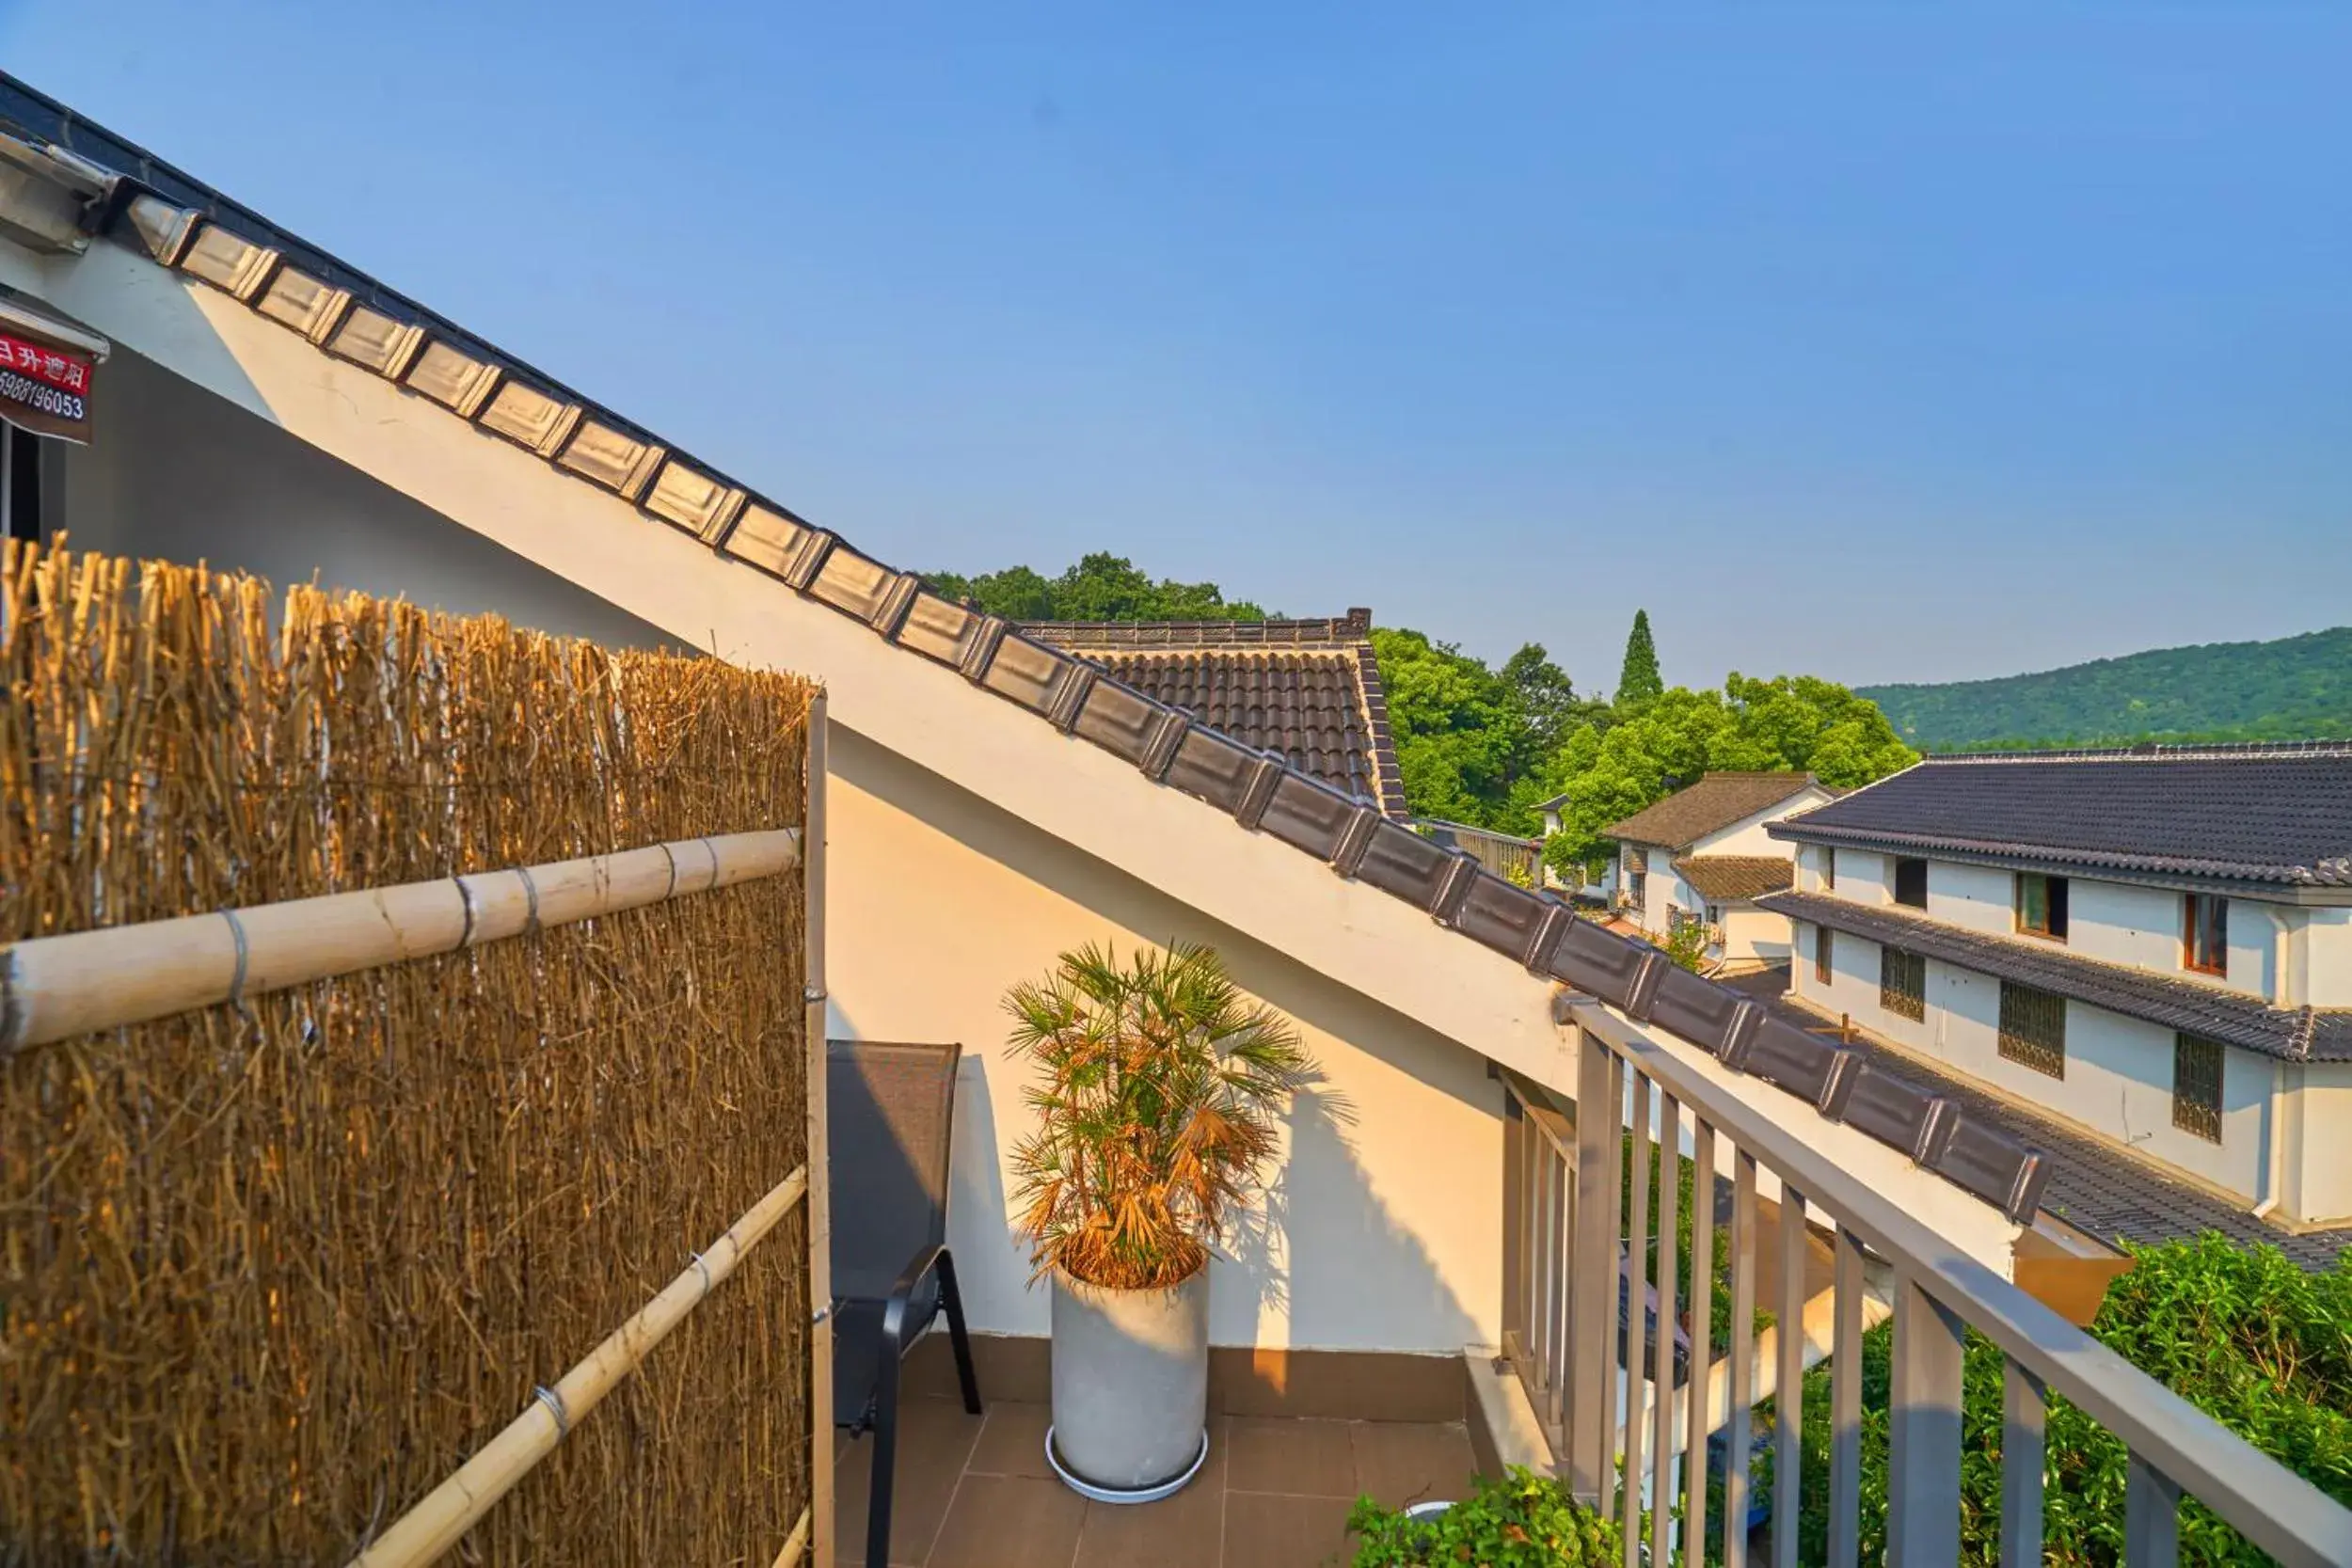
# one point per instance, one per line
(2155, 944)
(1703, 854)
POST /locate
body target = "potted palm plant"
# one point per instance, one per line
(1159, 1089)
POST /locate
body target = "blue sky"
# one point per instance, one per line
(1879, 342)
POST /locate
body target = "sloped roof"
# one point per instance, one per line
(1307, 689)
(1724, 879)
(2296, 1034)
(2279, 814)
(1711, 805)
(178, 223)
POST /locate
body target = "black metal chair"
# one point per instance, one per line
(889, 1118)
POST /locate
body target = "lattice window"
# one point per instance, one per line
(2033, 1028)
(2197, 1085)
(1904, 983)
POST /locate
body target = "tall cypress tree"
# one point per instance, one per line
(1638, 680)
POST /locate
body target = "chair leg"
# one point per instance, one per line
(886, 1467)
(952, 1301)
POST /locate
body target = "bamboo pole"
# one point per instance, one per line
(444, 1515)
(56, 986)
(819, 1181)
(795, 1544)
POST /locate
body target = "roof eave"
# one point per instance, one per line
(2272, 884)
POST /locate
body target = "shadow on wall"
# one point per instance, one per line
(1351, 1263)
(1331, 1266)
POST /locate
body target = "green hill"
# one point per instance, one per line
(2295, 688)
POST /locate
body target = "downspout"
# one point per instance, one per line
(2282, 1122)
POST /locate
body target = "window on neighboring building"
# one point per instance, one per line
(2206, 933)
(1911, 884)
(2033, 1028)
(2197, 1085)
(1904, 983)
(1821, 949)
(2041, 904)
(1829, 868)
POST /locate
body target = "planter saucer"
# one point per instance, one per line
(1109, 1495)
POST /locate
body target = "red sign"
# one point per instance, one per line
(61, 367)
(44, 388)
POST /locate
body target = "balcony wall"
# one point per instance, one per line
(1387, 1233)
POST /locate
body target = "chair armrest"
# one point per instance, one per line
(894, 1325)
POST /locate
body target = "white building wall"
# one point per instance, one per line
(2327, 962)
(2262, 942)
(1865, 878)
(1980, 897)
(2324, 1182)
(2125, 925)
(1386, 1227)
(2118, 1071)
(1754, 938)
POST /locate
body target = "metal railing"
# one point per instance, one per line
(1504, 854)
(1576, 1319)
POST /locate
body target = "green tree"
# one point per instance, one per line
(1638, 680)
(1099, 587)
(1461, 733)
(2262, 1346)
(1549, 705)
(1799, 722)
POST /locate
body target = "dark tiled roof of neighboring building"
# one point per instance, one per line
(1711, 805)
(1307, 689)
(2278, 813)
(183, 224)
(2093, 1186)
(1725, 878)
(2298, 1034)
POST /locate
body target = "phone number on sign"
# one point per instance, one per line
(48, 399)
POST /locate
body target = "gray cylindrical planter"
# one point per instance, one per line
(1131, 1386)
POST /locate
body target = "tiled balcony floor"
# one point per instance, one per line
(975, 1492)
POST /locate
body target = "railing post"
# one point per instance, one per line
(2151, 1517)
(1668, 1256)
(1845, 1406)
(1514, 1135)
(1788, 1382)
(1923, 1444)
(2024, 1413)
(1593, 1278)
(1740, 1412)
(1702, 1340)
(1636, 1311)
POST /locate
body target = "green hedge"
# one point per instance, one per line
(2259, 1344)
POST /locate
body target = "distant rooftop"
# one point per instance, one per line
(1309, 689)
(1711, 805)
(2277, 814)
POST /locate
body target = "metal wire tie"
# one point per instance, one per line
(530, 896)
(245, 959)
(706, 1268)
(554, 1402)
(667, 855)
(465, 897)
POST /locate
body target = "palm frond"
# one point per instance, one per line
(1161, 1086)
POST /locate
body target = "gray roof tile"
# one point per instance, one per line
(2277, 814)
(2296, 1034)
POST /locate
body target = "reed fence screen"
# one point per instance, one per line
(270, 1272)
